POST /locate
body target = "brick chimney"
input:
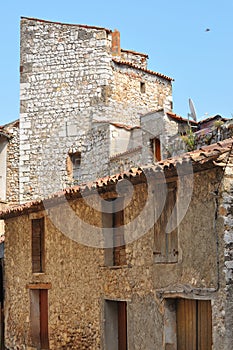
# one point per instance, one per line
(116, 43)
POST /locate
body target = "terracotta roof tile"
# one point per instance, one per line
(206, 155)
(124, 126)
(129, 64)
(178, 117)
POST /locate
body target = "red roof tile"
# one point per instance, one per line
(124, 126)
(208, 155)
(179, 118)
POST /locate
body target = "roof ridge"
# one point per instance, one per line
(126, 63)
(197, 157)
(66, 24)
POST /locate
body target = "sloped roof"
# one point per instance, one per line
(203, 158)
(129, 64)
(179, 118)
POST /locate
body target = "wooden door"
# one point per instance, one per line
(122, 325)
(194, 325)
(44, 338)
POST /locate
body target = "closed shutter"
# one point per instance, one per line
(165, 244)
(37, 245)
(194, 325)
(44, 337)
(119, 242)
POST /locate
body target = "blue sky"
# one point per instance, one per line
(173, 33)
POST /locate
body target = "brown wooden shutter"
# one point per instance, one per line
(38, 245)
(122, 325)
(44, 338)
(186, 324)
(194, 325)
(159, 227)
(204, 325)
(165, 244)
(156, 149)
(172, 237)
(119, 242)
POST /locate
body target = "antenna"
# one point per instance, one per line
(193, 114)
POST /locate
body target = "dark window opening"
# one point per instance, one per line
(76, 164)
(38, 245)
(142, 87)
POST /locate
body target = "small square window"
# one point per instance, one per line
(142, 87)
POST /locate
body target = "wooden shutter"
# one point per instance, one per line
(119, 242)
(186, 324)
(194, 325)
(204, 325)
(171, 215)
(38, 245)
(122, 325)
(44, 338)
(165, 244)
(159, 226)
(156, 149)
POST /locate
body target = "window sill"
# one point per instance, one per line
(117, 267)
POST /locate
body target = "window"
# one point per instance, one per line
(156, 149)
(165, 243)
(114, 238)
(38, 245)
(39, 318)
(76, 163)
(115, 327)
(142, 87)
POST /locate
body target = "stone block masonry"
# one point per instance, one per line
(68, 81)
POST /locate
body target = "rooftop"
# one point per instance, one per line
(204, 158)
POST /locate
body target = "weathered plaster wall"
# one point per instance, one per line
(81, 281)
(138, 59)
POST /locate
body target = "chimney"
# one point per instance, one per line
(116, 43)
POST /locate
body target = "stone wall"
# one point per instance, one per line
(68, 81)
(12, 168)
(81, 281)
(135, 58)
(225, 212)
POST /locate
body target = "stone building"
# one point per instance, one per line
(154, 272)
(73, 76)
(9, 163)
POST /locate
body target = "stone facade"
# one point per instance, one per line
(83, 287)
(70, 78)
(9, 159)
